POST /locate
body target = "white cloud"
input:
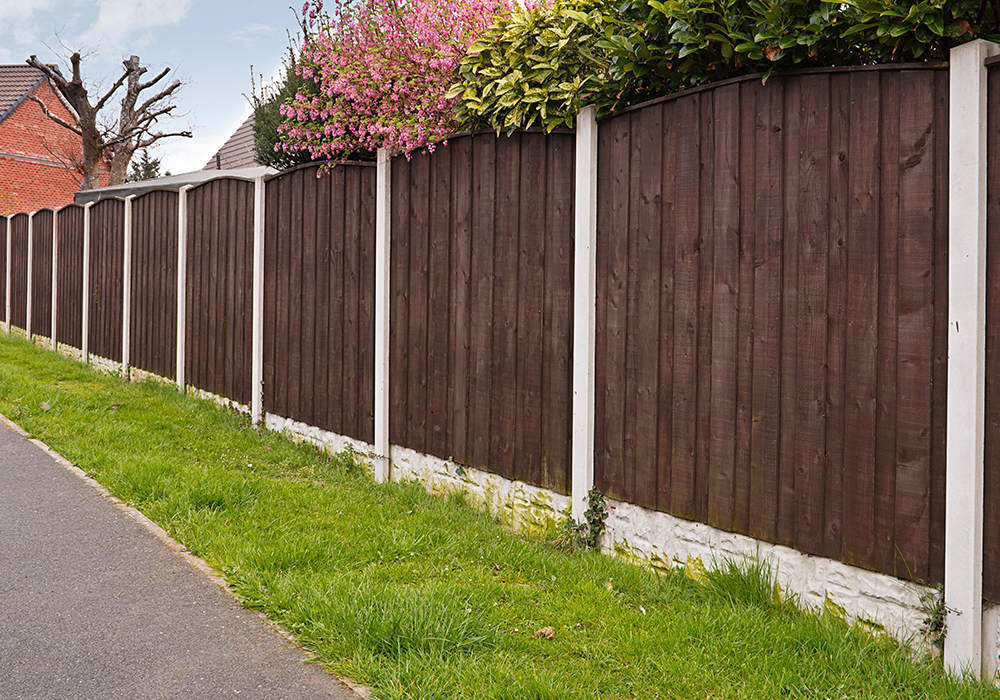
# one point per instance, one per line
(20, 10)
(250, 34)
(120, 19)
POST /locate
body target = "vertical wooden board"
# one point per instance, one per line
(706, 259)
(603, 472)
(284, 347)
(530, 306)
(837, 279)
(687, 270)
(399, 263)
(614, 307)
(244, 294)
(416, 398)
(481, 298)
(813, 201)
(229, 306)
(321, 397)
(270, 292)
(340, 344)
(888, 325)
(792, 144)
(310, 348)
(352, 301)
(503, 418)
(3, 268)
(459, 291)
(767, 315)
(438, 308)
(916, 325)
(939, 390)
(557, 389)
(630, 404)
(213, 339)
(41, 274)
(366, 392)
(725, 198)
(671, 127)
(745, 314)
(296, 321)
(862, 319)
(19, 270)
(192, 261)
(991, 442)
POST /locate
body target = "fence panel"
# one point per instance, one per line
(481, 311)
(154, 283)
(772, 310)
(319, 322)
(41, 273)
(69, 271)
(220, 287)
(991, 475)
(107, 250)
(19, 270)
(3, 268)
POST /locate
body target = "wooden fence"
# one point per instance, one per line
(772, 311)
(69, 273)
(482, 279)
(319, 324)
(991, 471)
(3, 269)
(772, 290)
(41, 273)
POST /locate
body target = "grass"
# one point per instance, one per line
(423, 598)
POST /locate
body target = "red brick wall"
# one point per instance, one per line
(32, 176)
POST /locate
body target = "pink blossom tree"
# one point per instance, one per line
(383, 68)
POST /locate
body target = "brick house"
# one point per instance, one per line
(36, 154)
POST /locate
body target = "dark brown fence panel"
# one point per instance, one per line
(991, 475)
(107, 250)
(772, 310)
(41, 273)
(19, 270)
(153, 332)
(319, 314)
(69, 273)
(220, 288)
(482, 280)
(3, 269)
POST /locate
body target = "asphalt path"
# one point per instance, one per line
(93, 604)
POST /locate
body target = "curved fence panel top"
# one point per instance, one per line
(772, 311)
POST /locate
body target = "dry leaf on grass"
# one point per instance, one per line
(546, 632)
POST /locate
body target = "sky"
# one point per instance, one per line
(209, 45)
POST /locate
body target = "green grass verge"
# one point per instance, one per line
(423, 598)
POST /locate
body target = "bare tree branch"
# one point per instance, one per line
(45, 110)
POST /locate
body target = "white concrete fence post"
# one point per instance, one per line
(127, 288)
(85, 296)
(31, 253)
(55, 277)
(963, 575)
(257, 366)
(584, 310)
(182, 237)
(383, 246)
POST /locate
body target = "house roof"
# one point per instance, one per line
(237, 151)
(16, 83)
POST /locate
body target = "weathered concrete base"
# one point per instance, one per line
(663, 541)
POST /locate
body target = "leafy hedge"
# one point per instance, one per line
(539, 66)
